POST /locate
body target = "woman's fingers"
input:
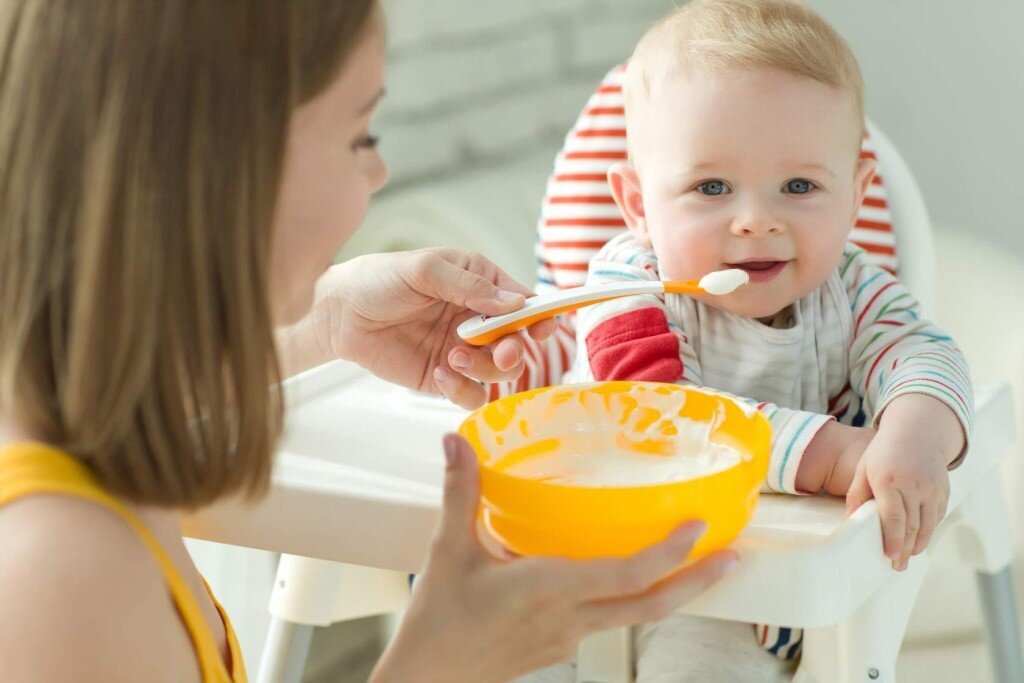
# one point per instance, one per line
(893, 514)
(608, 578)
(660, 601)
(460, 390)
(462, 287)
(504, 365)
(456, 532)
(508, 353)
(542, 330)
(929, 520)
(478, 263)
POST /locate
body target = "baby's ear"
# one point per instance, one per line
(625, 184)
(866, 169)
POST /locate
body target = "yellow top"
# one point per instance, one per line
(34, 468)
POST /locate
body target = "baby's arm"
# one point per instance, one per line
(916, 383)
(831, 458)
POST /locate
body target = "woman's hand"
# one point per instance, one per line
(397, 314)
(477, 618)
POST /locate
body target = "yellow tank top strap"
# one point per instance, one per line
(34, 468)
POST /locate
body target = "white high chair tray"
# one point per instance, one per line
(358, 478)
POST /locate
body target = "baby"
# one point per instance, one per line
(745, 120)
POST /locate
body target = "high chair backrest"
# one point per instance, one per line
(578, 216)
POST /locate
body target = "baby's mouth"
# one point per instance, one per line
(761, 270)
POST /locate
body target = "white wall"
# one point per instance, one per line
(945, 80)
(474, 82)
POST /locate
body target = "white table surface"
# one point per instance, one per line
(358, 478)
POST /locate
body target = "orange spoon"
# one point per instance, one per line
(480, 330)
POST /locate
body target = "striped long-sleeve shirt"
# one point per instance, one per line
(844, 351)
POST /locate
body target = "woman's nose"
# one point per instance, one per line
(378, 174)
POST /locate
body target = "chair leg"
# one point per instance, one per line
(308, 593)
(285, 652)
(606, 657)
(1002, 631)
(983, 535)
(865, 646)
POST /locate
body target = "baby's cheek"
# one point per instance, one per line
(816, 261)
(684, 255)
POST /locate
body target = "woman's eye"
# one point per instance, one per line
(799, 186)
(367, 142)
(713, 187)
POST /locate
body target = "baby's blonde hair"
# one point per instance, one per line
(709, 35)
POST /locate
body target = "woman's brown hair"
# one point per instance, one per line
(141, 148)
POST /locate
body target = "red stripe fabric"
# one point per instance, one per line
(585, 222)
(577, 244)
(601, 133)
(875, 202)
(873, 225)
(607, 155)
(581, 178)
(582, 199)
(605, 111)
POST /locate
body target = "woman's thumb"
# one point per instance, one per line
(471, 290)
(461, 492)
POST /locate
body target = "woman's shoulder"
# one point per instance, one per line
(83, 598)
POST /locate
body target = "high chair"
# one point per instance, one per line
(357, 486)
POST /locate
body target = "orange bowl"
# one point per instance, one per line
(533, 517)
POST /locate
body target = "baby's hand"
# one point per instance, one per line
(904, 468)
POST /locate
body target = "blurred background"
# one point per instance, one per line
(482, 92)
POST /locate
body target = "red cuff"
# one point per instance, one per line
(636, 345)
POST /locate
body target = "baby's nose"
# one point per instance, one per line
(755, 226)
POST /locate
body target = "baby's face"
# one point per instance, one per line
(746, 169)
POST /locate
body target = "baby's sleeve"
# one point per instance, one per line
(896, 352)
(634, 338)
(628, 338)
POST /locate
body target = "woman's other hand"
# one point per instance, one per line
(476, 617)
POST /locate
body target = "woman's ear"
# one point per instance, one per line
(625, 184)
(866, 169)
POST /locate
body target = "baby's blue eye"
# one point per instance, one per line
(713, 187)
(799, 186)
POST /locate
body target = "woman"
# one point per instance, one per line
(175, 178)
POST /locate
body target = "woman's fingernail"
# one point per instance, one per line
(460, 360)
(451, 450)
(442, 376)
(730, 564)
(508, 297)
(691, 532)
